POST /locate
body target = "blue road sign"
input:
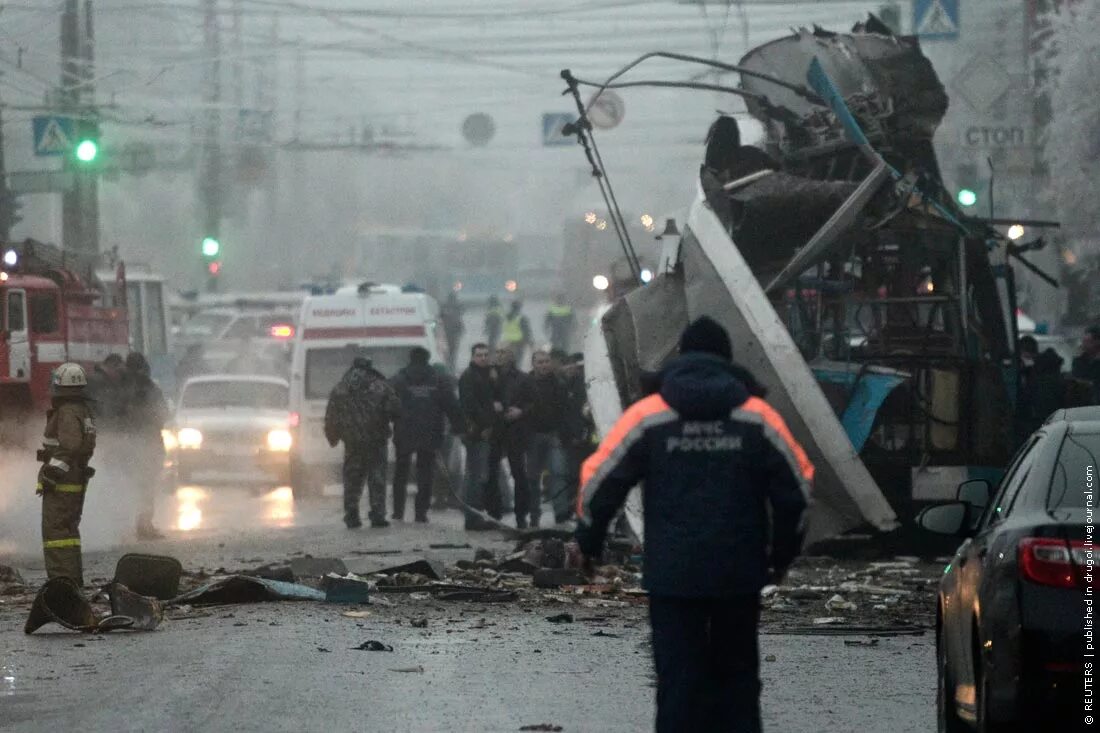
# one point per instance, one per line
(936, 19)
(53, 135)
(552, 124)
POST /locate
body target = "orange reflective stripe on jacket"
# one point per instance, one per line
(772, 419)
(631, 420)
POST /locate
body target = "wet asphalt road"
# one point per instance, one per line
(486, 667)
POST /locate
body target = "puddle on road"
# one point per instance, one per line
(195, 508)
(7, 681)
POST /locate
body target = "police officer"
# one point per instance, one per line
(426, 397)
(360, 410)
(494, 317)
(559, 323)
(725, 489)
(515, 336)
(67, 445)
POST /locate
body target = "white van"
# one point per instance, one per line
(378, 321)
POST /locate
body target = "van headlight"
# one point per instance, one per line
(189, 439)
(170, 442)
(279, 440)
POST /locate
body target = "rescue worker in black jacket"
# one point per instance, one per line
(360, 410)
(725, 491)
(67, 445)
(426, 398)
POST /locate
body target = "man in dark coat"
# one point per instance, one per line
(477, 397)
(426, 398)
(144, 415)
(105, 389)
(510, 437)
(725, 490)
(1087, 365)
(360, 410)
(450, 315)
(546, 426)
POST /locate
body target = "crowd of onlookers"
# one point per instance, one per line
(539, 421)
(1044, 385)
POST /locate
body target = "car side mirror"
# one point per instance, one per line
(952, 519)
(975, 492)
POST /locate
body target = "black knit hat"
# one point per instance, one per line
(706, 335)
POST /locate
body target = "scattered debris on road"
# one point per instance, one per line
(356, 614)
(150, 575)
(348, 588)
(372, 645)
(418, 669)
(561, 618)
(61, 601)
(246, 589)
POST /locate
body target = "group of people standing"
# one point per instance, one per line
(1045, 386)
(119, 410)
(538, 421)
(365, 410)
(131, 413)
(510, 329)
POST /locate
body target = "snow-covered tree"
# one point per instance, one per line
(1071, 141)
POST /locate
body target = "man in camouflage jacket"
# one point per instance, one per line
(361, 409)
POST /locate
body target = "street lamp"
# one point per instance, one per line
(1015, 232)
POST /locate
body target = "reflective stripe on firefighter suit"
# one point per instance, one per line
(68, 444)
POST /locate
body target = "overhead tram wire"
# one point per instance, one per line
(583, 130)
(798, 89)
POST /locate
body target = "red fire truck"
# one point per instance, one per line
(51, 312)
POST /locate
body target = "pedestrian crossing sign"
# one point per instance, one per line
(936, 19)
(53, 135)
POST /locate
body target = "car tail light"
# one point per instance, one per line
(281, 331)
(1053, 562)
(295, 419)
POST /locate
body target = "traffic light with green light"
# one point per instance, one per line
(966, 197)
(85, 150)
(211, 247)
(968, 184)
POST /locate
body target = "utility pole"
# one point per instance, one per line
(210, 170)
(7, 198)
(88, 181)
(72, 223)
(299, 87)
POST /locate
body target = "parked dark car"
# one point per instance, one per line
(1015, 603)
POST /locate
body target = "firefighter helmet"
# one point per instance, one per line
(69, 375)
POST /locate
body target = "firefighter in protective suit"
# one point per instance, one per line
(67, 446)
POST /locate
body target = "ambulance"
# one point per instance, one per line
(381, 322)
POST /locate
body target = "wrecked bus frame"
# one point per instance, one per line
(875, 312)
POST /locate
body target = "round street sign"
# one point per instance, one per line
(607, 111)
(478, 129)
